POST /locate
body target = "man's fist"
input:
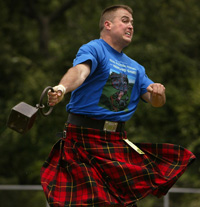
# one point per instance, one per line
(56, 96)
(156, 89)
(157, 94)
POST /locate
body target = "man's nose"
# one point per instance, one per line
(130, 25)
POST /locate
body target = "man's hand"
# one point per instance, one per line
(56, 96)
(155, 95)
(156, 89)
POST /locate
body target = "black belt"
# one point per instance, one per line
(87, 122)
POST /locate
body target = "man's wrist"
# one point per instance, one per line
(61, 88)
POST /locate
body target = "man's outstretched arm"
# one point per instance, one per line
(72, 79)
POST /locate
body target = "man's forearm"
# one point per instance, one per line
(75, 77)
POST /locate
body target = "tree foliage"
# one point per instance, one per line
(39, 40)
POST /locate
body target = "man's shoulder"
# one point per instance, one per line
(94, 47)
(94, 43)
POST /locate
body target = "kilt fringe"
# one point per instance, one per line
(96, 168)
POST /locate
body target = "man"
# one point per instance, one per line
(94, 164)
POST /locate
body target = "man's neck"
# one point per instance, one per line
(109, 41)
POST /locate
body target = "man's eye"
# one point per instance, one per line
(125, 20)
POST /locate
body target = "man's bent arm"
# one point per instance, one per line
(155, 95)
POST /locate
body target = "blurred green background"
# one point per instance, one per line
(38, 42)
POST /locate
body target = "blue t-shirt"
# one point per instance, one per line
(114, 86)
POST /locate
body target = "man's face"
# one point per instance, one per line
(122, 27)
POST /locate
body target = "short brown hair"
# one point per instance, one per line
(106, 13)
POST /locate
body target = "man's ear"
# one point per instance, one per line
(107, 25)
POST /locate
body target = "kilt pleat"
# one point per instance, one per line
(95, 168)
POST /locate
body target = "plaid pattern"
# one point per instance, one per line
(97, 168)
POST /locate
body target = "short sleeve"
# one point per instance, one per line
(85, 53)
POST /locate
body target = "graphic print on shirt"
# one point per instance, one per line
(118, 88)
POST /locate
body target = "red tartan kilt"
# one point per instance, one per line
(97, 168)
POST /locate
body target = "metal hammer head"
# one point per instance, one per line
(22, 117)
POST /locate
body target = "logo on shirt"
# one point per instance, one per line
(118, 88)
